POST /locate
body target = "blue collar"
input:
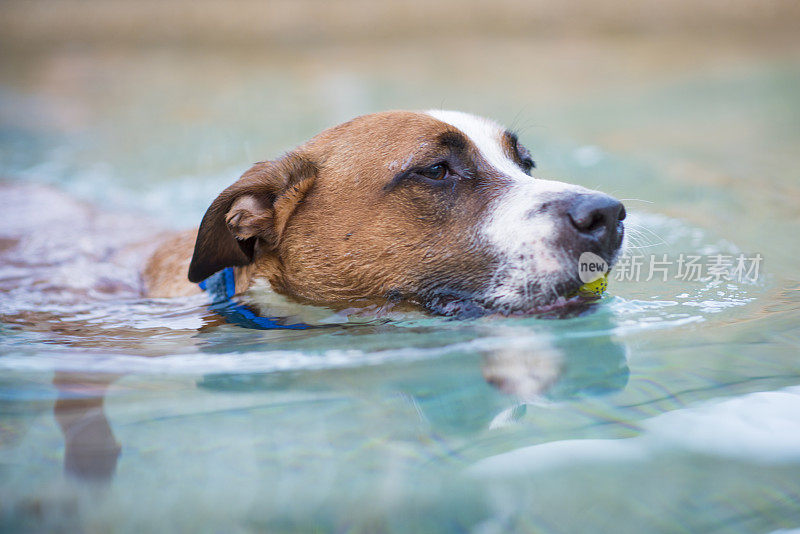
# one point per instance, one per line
(221, 287)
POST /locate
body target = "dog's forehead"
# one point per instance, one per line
(484, 133)
(377, 138)
(389, 135)
(488, 137)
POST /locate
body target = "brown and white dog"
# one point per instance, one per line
(437, 209)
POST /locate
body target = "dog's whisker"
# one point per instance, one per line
(642, 232)
(636, 200)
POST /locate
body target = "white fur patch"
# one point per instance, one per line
(519, 235)
(486, 135)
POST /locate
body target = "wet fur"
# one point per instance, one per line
(348, 217)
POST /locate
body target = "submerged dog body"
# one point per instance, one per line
(437, 209)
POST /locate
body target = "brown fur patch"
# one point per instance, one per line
(332, 232)
(171, 258)
(352, 239)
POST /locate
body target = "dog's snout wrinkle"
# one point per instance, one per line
(538, 210)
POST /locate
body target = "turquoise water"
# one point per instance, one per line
(673, 406)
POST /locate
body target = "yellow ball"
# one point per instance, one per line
(598, 287)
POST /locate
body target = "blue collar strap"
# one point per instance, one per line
(221, 287)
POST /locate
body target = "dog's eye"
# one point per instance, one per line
(525, 159)
(434, 172)
(528, 164)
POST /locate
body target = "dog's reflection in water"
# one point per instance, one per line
(525, 372)
(528, 370)
(557, 369)
(551, 370)
(90, 448)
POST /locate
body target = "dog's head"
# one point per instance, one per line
(436, 208)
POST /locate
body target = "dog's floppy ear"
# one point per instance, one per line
(254, 209)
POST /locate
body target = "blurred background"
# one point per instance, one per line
(168, 98)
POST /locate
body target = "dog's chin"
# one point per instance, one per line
(561, 307)
(559, 299)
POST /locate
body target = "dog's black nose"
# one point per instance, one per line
(596, 215)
